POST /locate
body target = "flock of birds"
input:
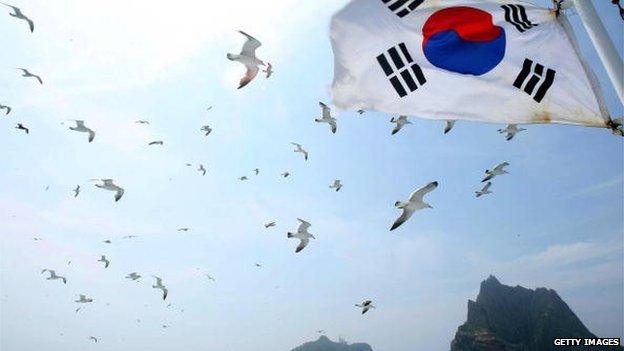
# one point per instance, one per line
(248, 58)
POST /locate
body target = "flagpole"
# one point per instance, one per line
(603, 44)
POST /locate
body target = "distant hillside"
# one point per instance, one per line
(505, 318)
(324, 344)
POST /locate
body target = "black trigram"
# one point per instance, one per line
(403, 73)
(535, 80)
(516, 15)
(402, 8)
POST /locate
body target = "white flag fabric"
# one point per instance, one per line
(489, 61)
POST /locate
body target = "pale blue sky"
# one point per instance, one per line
(111, 63)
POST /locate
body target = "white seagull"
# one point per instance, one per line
(485, 190)
(511, 130)
(77, 191)
(286, 174)
(17, 13)
(202, 169)
(337, 185)
(157, 142)
(206, 129)
(248, 58)
(400, 122)
(302, 234)
(94, 339)
(105, 261)
(107, 184)
(53, 275)
(159, 285)
(301, 150)
(449, 125)
(414, 204)
(365, 306)
(326, 117)
(133, 276)
(269, 225)
(498, 170)
(7, 108)
(243, 178)
(83, 299)
(27, 74)
(268, 70)
(257, 171)
(141, 121)
(80, 127)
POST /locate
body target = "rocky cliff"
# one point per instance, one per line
(324, 344)
(505, 318)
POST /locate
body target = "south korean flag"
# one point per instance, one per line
(489, 60)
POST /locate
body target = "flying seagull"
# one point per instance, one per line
(366, 305)
(268, 70)
(414, 203)
(485, 190)
(77, 191)
(326, 117)
(449, 125)
(498, 170)
(107, 184)
(286, 174)
(248, 58)
(302, 234)
(7, 108)
(80, 127)
(269, 225)
(400, 122)
(53, 275)
(206, 129)
(83, 299)
(27, 74)
(129, 237)
(337, 185)
(301, 150)
(202, 169)
(183, 229)
(256, 171)
(158, 142)
(159, 285)
(141, 121)
(361, 112)
(21, 127)
(94, 339)
(105, 261)
(107, 241)
(133, 276)
(258, 265)
(243, 178)
(511, 130)
(210, 277)
(17, 13)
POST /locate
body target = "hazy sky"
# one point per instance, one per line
(113, 62)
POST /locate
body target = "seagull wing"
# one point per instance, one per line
(119, 193)
(418, 195)
(334, 126)
(396, 129)
(302, 244)
(252, 72)
(91, 134)
(501, 167)
(165, 292)
(407, 213)
(326, 110)
(449, 126)
(486, 187)
(250, 46)
(303, 227)
(31, 25)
